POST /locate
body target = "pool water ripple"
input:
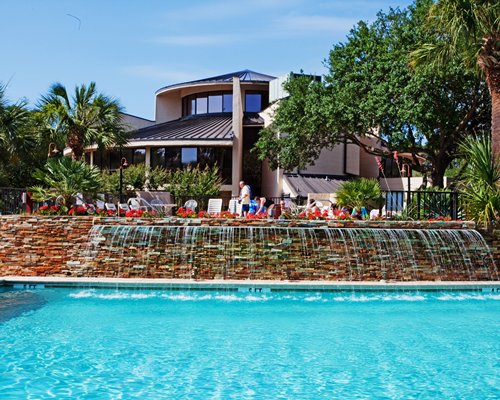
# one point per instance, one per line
(91, 343)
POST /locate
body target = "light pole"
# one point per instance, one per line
(123, 165)
(54, 150)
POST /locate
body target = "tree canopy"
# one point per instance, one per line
(88, 118)
(470, 30)
(18, 152)
(371, 90)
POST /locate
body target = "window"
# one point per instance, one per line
(189, 155)
(158, 157)
(227, 102)
(201, 105)
(253, 102)
(206, 103)
(138, 156)
(192, 107)
(215, 103)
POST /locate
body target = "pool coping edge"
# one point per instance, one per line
(144, 283)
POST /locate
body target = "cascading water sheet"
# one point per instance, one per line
(291, 253)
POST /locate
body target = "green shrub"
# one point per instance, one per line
(134, 178)
(63, 178)
(360, 193)
(195, 182)
(481, 181)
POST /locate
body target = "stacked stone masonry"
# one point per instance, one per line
(243, 249)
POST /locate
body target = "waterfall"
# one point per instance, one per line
(288, 253)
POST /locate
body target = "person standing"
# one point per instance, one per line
(244, 198)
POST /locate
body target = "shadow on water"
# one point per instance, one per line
(13, 303)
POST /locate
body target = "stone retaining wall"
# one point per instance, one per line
(57, 246)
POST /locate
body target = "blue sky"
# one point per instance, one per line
(132, 48)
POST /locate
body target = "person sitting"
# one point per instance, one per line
(262, 205)
(254, 205)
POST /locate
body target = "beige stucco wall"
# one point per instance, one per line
(330, 162)
(168, 107)
(272, 181)
(368, 165)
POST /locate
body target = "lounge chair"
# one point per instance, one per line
(138, 203)
(233, 206)
(123, 208)
(101, 205)
(214, 206)
(110, 207)
(157, 201)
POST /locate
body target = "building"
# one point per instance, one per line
(217, 121)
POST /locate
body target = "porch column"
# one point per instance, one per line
(237, 126)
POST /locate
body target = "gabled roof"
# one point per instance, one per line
(209, 127)
(245, 76)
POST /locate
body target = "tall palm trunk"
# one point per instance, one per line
(489, 62)
(495, 122)
(75, 141)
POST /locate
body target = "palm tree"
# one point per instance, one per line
(471, 31)
(17, 142)
(358, 193)
(90, 118)
(64, 178)
(481, 181)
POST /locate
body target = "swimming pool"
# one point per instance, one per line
(102, 343)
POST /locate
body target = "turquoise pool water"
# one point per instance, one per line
(107, 344)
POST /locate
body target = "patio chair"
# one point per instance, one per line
(158, 201)
(318, 204)
(233, 206)
(214, 206)
(79, 200)
(110, 207)
(100, 204)
(123, 208)
(134, 203)
(294, 208)
(191, 204)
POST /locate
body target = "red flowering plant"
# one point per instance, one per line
(314, 214)
(134, 213)
(186, 213)
(441, 218)
(151, 214)
(78, 210)
(49, 210)
(342, 215)
(121, 212)
(227, 215)
(261, 215)
(100, 212)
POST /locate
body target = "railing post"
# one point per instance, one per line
(418, 204)
(453, 205)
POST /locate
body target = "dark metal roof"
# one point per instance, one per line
(209, 127)
(302, 185)
(245, 76)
